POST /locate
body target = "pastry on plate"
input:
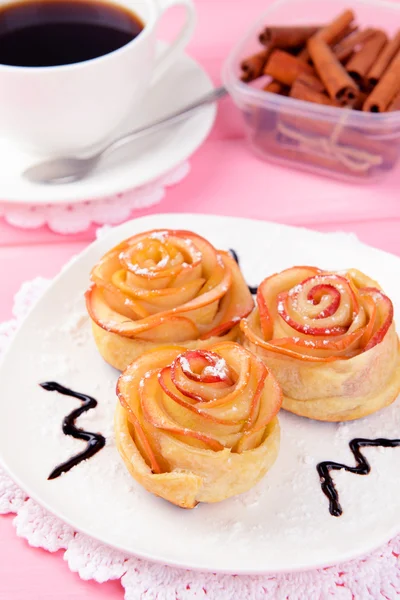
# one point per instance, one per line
(330, 340)
(164, 287)
(198, 425)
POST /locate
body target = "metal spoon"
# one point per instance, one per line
(67, 169)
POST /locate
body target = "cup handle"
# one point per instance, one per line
(164, 61)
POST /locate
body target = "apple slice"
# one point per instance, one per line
(383, 316)
(283, 312)
(119, 303)
(158, 254)
(238, 302)
(168, 299)
(370, 309)
(155, 414)
(162, 327)
(169, 387)
(213, 368)
(209, 254)
(322, 347)
(212, 383)
(317, 292)
(267, 326)
(256, 384)
(282, 282)
(192, 403)
(191, 417)
(173, 329)
(269, 405)
(144, 445)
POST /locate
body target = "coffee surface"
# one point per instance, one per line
(61, 32)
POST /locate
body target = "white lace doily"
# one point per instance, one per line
(74, 218)
(375, 577)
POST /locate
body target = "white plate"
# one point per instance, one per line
(283, 524)
(134, 165)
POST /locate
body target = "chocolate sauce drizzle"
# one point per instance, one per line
(95, 441)
(253, 290)
(362, 468)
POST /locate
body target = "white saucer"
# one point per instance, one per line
(134, 165)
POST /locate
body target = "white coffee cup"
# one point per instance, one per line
(71, 109)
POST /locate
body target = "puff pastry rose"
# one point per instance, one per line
(198, 425)
(330, 340)
(164, 287)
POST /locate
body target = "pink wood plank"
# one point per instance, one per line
(33, 574)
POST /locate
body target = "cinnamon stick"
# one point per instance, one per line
(344, 34)
(332, 32)
(384, 59)
(359, 103)
(274, 87)
(344, 49)
(285, 68)
(287, 37)
(395, 103)
(304, 55)
(253, 66)
(386, 90)
(361, 62)
(311, 80)
(338, 83)
(300, 91)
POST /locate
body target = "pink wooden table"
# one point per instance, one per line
(225, 179)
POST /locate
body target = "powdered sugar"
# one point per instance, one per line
(77, 326)
(220, 369)
(163, 262)
(185, 364)
(138, 270)
(296, 289)
(161, 236)
(309, 343)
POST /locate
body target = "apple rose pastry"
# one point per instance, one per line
(164, 287)
(330, 340)
(198, 425)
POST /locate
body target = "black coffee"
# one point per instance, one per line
(62, 32)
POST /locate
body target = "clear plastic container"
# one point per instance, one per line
(346, 144)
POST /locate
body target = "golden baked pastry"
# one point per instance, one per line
(198, 425)
(329, 339)
(164, 287)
